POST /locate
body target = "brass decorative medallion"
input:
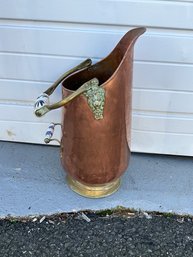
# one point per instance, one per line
(96, 98)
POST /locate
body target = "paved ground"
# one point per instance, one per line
(125, 234)
(33, 182)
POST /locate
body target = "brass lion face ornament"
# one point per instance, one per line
(96, 125)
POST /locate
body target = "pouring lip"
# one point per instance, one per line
(138, 32)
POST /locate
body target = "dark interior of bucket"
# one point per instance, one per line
(102, 70)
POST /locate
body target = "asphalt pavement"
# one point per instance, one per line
(102, 234)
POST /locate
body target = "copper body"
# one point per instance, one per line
(97, 151)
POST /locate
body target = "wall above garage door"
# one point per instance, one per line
(39, 40)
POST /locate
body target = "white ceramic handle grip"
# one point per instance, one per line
(50, 132)
(41, 100)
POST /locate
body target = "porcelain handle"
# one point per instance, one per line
(41, 101)
(50, 132)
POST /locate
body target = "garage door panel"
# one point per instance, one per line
(25, 91)
(28, 132)
(157, 142)
(157, 123)
(14, 113)
(149, 13)
(33, 67)
(142, 141)
(143, 99)
(163, 101)
(175, 123)
(168, 47)
(48, 68)
(162, 76)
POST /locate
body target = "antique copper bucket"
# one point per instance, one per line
(95, 143)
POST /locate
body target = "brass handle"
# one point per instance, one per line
(46, 108)
(50, 132)
(43, 99)
(81, 66)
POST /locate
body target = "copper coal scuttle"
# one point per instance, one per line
(95, 143)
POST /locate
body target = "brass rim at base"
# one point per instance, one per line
(93, 191)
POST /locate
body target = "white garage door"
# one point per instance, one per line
(39, 40)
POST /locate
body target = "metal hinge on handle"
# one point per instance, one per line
(50, 132)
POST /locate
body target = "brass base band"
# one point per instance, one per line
(93, 191)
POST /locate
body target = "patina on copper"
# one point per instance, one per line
(96, 151)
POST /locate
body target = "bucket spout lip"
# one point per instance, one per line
(139, 30)
(115, 60)
(128, 40)
(135, 33)
(124, 46)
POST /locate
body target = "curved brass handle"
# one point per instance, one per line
(81, 66)
(43, 99)
(86, 86)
